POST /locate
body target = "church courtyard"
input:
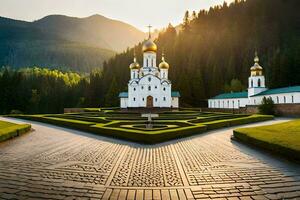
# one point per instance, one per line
(58, 163)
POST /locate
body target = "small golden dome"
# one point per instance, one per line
(134, 65)
(149, 45)
(163, 64)
(256, 69)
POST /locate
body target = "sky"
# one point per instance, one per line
(139, 13)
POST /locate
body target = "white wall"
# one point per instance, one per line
(123, 102)
(227, 103)
(138, 93)
(277, 98)
(175, 102)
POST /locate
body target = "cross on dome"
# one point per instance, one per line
(149, 27)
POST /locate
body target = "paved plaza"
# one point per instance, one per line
(56, 163)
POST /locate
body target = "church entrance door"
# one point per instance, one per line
(149, 102)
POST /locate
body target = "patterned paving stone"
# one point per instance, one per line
(57, 163)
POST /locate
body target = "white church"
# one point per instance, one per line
(149, 85)
(257, 90)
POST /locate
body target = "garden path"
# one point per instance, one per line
(57, 163)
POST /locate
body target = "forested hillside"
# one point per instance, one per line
(78, 44)
(218, 45)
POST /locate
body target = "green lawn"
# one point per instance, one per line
(131, 126)
(9, 130)
(283, 138)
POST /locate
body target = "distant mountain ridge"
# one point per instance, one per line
(58, 41)
(95, 30)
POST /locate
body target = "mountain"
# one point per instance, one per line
(96, 30)
(56, 41)
(216, 47)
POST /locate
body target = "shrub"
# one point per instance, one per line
(267, 106)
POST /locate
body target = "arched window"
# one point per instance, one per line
(284, 99)
(239, 103)
(164, 98)
(134, 89)
(218, 104)
(277, 99)
(252, 83)
(164, 89)
(155, 87)
(133, 98)
(258, 82)
(149, 88)
(149, 79)
(155, 99)
(232, 104)
(143, 99)
(292, 99)
(142, 87)
(147, 63)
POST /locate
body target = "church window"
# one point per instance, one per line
(155, 99)
(254, 101)
(259, 82)
(218, 104)
(147, 63)
(252, 83)
(142, 87)
(149, 79)
(155, 87)
(239, 103)
(227, 104)
(134, 89)
(232, 104)
(164, 98)
(133, 98)
(284, 99)
(149, 88)
(143, 99)
(164, 89)
(292, 99)
(277, 99)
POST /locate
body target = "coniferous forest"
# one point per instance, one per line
(212, 53)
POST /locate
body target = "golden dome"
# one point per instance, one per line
(163, 64)
(256, 69)
(134, 65)
(149, 45)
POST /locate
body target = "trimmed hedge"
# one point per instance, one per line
(237, 121)
(114, 129)
(13, 130)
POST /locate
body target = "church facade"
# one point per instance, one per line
(149, 86)
(257, 90)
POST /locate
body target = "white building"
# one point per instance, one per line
(257, 90)
(149, 85)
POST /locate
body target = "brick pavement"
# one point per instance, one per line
(57, 163)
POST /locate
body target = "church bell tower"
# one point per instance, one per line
(256, 79)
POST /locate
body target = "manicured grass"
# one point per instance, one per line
(283, 138)
(9, 130)
(131, 126)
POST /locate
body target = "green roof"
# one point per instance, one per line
(175, 94)
(280, 90)
(232, 95)
(123, 95)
